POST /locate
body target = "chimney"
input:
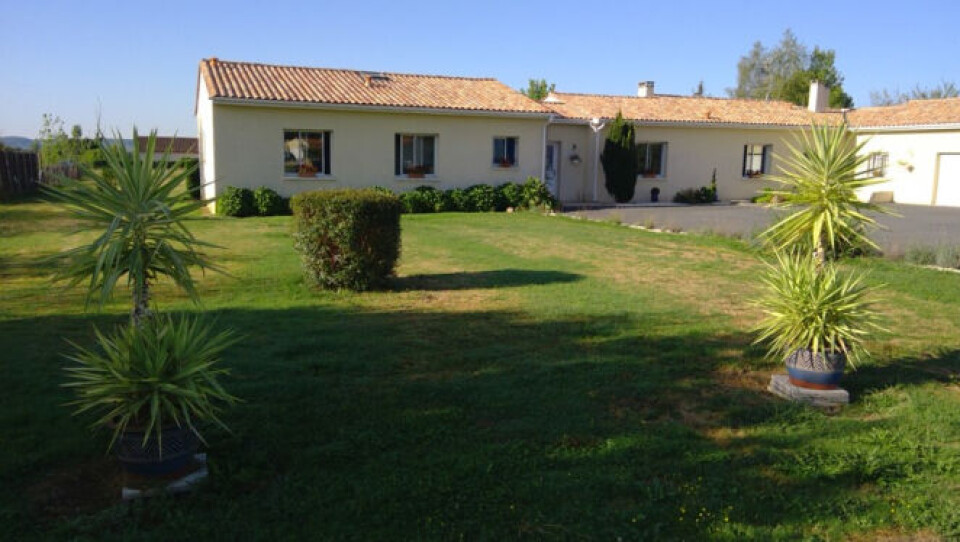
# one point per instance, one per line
(645, 89)
(819, 97)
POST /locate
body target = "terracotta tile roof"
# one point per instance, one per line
(178, 145)
(912, 113)
(684, 109)
(250, 81)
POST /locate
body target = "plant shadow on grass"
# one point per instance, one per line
(468, 280)
(407, 424)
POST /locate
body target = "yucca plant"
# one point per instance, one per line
(818, 182)
(162, 372)
(139, 203)
(814, 307)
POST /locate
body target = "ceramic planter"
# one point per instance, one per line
(818, 372)
(179, 446)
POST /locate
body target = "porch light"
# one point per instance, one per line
(574, 156)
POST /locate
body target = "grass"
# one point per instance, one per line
(527, 377)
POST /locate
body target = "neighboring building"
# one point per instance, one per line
(296, 128)
(179, 147)
(916, 145)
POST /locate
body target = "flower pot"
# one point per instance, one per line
(817, 372)
(179, 446)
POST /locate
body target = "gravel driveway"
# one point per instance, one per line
(917, 225)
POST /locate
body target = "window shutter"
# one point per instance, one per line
(767, 150)
(398, 159)
(744, 169)
(326, 153)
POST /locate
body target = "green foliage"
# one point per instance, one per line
(268, 202)
(784, 72)
(236, 202)
(511, 195)
(538, 90)
(347, 238)
(812, 306)
(819, 182)
(945, 89)
(459, 200)
(193, 181)
(946, 256)
(536, 195)
(55, 146)
(161, 373)
(139, 214)
(619, 159)
(700, 195)
(483, 198)
(424, 199)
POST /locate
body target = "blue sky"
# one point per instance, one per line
(137, 61)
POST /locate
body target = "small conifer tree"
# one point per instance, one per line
(620, 160)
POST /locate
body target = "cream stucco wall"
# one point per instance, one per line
(692, 154)
(248, 151)
(205, 132)
(909, 150)
(572, 178)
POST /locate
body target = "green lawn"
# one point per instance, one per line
(528, 377)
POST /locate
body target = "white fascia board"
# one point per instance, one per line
(908, 128)
(379, 109)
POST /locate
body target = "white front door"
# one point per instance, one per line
(948, 180)
(551, 171)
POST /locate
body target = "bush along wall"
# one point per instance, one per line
(479, 198)
(241, 202)
(347, 239)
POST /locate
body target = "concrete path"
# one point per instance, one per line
(917, 225)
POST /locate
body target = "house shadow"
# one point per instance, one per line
(469, 280)
(943, 367)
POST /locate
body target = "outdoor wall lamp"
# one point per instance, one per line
(574, 156)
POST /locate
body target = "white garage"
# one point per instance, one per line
(947, 183)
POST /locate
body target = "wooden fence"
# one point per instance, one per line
(19, 173)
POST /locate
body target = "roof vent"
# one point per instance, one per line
(552, 99)
(372, 78)
(213, 60)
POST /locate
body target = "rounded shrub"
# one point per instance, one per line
(510, 195)
(347, 238)
(459, 200)
(483, 198)
(536, 195)
(417, 201)
(267, 202)
(236, 202)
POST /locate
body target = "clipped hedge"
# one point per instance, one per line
(268, 202)
(236, 202)
(347, 238)
(532, 194)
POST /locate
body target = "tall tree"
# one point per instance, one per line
(53, 143)
(785, 71)
(538, 90)
(620, 160)
(945, 89)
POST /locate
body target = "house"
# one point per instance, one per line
(916, 145)
(178, 146)
(299, 128)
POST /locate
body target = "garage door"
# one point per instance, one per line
(948, 180)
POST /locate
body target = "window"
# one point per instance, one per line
(306, 154)
(877, 164)
(415, 155)
(505, 151)
(756, 159)
(652, 158)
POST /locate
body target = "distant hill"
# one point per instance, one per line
(17, 142)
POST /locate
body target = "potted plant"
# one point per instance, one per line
(415, 172)
(307, 170)
(155, 378)
(655, 194)
(818, 317)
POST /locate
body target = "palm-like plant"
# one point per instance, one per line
(139, 204)
(158, 373)
(814, 307)
(819, 179)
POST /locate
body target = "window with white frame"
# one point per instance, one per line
(505, 151)
(877, 164)
(306, 153)
(756, 159)
(414, 154)
(652, 158)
